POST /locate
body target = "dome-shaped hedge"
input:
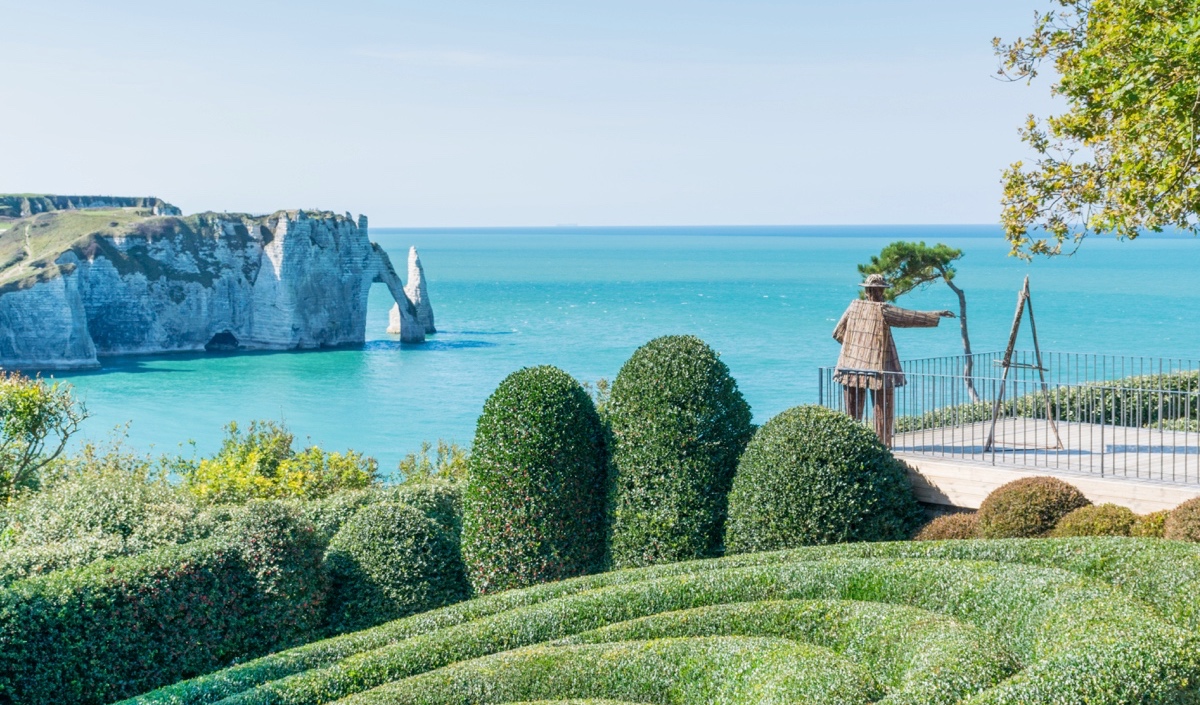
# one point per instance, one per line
(1028, 508)
(533, 510)
(815, 476)
(960, 525)
(678, 425)
(390, 560)
(1097, 520)
(1183, 523)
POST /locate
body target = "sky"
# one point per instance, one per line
(522, 113)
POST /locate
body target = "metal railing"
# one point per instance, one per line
(1108, 415)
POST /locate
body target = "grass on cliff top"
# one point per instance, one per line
(29, 246)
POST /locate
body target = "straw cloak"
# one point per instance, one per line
(869, 359)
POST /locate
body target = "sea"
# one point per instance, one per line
(584, 298)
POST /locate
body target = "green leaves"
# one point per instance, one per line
(36, 420)
(1125, 156)
(534, 504)
(814, 476)
(910, 265)
(678, 425)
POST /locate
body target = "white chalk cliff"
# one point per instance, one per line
(216, 281)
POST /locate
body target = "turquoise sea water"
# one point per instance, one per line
(585, 298)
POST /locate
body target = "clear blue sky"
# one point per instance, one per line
(497, 112)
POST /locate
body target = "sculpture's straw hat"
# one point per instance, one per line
(875, 281)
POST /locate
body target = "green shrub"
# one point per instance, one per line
(959, 525)
(534, 504)
(388, 561)
(328, 514)
(37, 418)
(1028, 507)
(1097, 520)
(678, 425)
(936, 623)
(260, 464)
(1151, 526)
(116, 628)
(814, 476)
(449, 463)
(1183, 523)
(103, 493)
(438, 499)
(284, 553)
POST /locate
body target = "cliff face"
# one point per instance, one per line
(152, 284)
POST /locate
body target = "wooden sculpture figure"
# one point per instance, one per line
(869, 360)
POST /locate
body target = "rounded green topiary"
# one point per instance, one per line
(814, 476)
(1183, 523)
(388, 561)
(1152, 525)
(678, 425)
(533, 510)
(283, 551)
(1028, 507)
(440, 500)
(960, 525)
(1097, 520)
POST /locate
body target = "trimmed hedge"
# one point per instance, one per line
(1183, 523)
(1097, 520)
(388, 561)
(1074, 638)
(814, 476)
(533, 510)
(1028, 508)
(678, 425)
(702, 670)
(960, 525)
(120, 627)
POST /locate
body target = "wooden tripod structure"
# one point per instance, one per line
(1024, 300)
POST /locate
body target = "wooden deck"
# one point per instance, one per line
(1145, 469)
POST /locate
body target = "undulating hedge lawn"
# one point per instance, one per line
(1095, 620)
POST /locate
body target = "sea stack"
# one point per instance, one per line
(417, 293)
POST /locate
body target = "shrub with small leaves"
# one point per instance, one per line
(1152, 525)
(679, 425)
(440, 500)
(534, 504)
(959, 525)
(1183, 523)
(1028, 507)
(284, 552)
(1097, 520)
(814, 476)
(388, 561)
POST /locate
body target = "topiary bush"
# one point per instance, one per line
(678, 425)
(119, 627)
(284, 553)
(533, 510)
(814, 476)
(1028, 507)
(440, 500)
(1097, 520)
(959, 525)
(1152, 525)
(1183, 523)
(388, 561)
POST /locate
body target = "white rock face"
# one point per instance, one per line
(291, 280)
(417, 293)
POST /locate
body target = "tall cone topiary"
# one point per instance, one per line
(533, 510)
(678, 424)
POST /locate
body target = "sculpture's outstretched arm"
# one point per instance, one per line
(897, 317)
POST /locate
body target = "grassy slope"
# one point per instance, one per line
(29, 246)
(1084, 620)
